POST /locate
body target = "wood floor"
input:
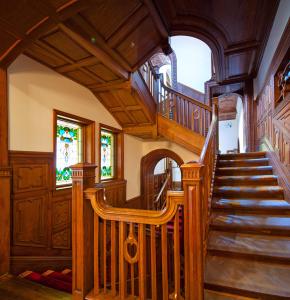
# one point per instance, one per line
(13, 288)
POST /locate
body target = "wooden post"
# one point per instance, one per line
(5, 174)
(193, 230)
(83, 176)
(215, 110)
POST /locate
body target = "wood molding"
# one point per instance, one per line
(5, 173)
(134, 202)
(278, 168)
(39, 264)
(148, 163)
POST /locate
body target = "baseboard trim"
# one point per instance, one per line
(19, 264)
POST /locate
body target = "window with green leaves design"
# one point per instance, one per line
(107, 155)
(68, 150)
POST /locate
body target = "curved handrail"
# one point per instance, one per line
(107, 212)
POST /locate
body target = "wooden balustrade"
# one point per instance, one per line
(125, 253)
(175, 106)
(197, 184)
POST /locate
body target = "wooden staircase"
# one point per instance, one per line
(249, 239)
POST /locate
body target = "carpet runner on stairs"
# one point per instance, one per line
(61, 281)
(249, 239)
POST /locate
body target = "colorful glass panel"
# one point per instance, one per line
(107, 155)
(68, 150)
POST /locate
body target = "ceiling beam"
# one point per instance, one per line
(96, 51)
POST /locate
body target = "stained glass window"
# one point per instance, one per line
(107, 155)
(68, 150)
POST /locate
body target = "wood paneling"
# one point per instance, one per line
(273, 121)
(41, 216)
(115, 192)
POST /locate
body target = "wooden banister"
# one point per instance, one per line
(197, 184)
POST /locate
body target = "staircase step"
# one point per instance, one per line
(246, 180)
(242, 155)
(247, 223)
(238, 171)
(244, 162)
(214, 295)
(252, 205)
(273, 247)
(270, 192)
(247, 277)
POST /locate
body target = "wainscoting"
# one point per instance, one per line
(40, 217)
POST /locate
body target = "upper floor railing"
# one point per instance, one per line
(188, 112)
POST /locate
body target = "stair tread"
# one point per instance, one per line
(249, 188)
(273, 246)
(248, 220)
(251, 204)
(254, 178)
(250, 168)
(249, 275)
(214, 295)
(244, 160)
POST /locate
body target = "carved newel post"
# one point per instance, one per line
(192, 177)
(83, 176)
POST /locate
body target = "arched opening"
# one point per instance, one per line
(155, 168)
(231, 124)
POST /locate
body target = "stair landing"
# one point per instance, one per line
(12, 288)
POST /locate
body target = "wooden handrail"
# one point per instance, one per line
(140, 216)
(193, 101)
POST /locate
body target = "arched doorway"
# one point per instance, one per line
(148, 165)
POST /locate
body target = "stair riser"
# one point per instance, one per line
(256, 257)
(255, 210)
(242, 163)
(249, 194)
(245, 182)
(250, 230)
(243, 172)
(242, 156)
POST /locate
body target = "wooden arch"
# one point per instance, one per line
(148, 163)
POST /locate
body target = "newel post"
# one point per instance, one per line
(83, 176)
(192, 178)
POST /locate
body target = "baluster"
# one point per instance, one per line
(153, 262)
(200, 121)
(176, 244)
(142, 262)
(113, 257)
(105, 255)
(174, 108)
(96, 255)
(122, 263)
(164, 262)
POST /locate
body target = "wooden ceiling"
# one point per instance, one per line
(99, 41)
(235, 30)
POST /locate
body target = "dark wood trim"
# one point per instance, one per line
(88, 146)
(5, 173)
(134, 202)
(119, 152)
(39, 264)
(278, 56)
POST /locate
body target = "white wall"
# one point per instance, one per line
(35, 90)
(280, 22)
(228, 135)
(193, 61)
